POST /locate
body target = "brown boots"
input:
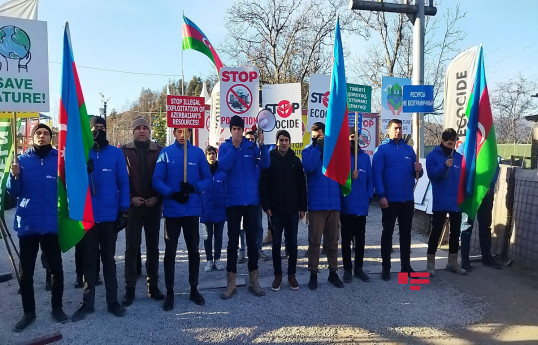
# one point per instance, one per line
(230, 287)
(453, 265)
(430, 265)
(254, 284)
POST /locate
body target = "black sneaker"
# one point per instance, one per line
(82, 312)
(407, 269)
(491, 262)
(26, 320)
(129, 297)
(335, 280)
(347, 276)
(385, 274)
(359, 273)
(168, 303)
(466, 265)
(78, 283)
(155, 293)
(59, 315)
(196, 297)
(116, 309)
(313, 282)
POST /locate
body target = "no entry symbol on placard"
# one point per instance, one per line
(364, 138)
(239, 99)
(325, 98)
(284, 108)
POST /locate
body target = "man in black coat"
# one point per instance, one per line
(283, 196)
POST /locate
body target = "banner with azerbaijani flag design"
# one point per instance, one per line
(479, 162)
(75, 213)
(194, 38)
(336, 156)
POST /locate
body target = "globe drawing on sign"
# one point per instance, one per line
(395, 99)
(14, 45)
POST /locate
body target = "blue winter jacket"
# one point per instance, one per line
(213, 208)
(240, 166)
(445, 181)
(36, 192)
(168, 176)
(322, 192)
(109, 184)
(394, 172)
(362, 188)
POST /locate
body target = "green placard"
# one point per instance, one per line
(359, 98)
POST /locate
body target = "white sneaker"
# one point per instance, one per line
(208, 266)
(219, 265)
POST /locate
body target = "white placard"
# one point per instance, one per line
(392, 103)
(239, 94)
(318, 99)
(284, 101)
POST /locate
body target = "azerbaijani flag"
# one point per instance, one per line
(479, 162)
(194, 38)
(75, 213)
(336, 156)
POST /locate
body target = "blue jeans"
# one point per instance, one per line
(289, 223)
(216, 230)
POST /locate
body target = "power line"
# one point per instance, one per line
(124, 72)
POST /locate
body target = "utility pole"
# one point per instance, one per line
(416, 14)
(103, 109)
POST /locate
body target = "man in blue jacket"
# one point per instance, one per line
(109, 188)
(323, 209)
(354, 211)
(182, 208)
(443, 166)
(33, 182)
(394, 169)
(238, 159)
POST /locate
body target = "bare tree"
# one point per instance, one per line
(510, 102)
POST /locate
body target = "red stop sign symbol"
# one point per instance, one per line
(284, 108)
(325, 98)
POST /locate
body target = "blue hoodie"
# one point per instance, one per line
(322, 192)
(168, 176)
(394, 171)
(242, 175)
(445, 181)
(109, 184)
(37, 196)
(362, 188)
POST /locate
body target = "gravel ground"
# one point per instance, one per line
(374, 312)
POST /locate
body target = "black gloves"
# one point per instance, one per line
(180, 197)
(90, 166)
(121, 221)
(187, 188)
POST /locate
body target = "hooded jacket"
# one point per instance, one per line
(362, 188)
(213, 208)
(283, 185)
(445, 181)
(394, 171)
(36, 191)
(240, 166)
(323, 193)
(109, 184)
(168, 176)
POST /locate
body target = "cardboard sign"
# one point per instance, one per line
(185, 111)
(24, 69)
(284, 101)
(418, 98)
(239, 94)
(392, 103)
(318, 99)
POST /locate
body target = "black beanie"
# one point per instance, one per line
(96, 119)
(41, 125)
(237, 121)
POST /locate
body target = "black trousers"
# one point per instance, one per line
(403, 211)
(287, 223)
(352, 226)
(29, 246)
(438, 220)
(150, 219)
(172, 230)
(484, 217)
(79, 261)
(102, 237)
(250, 219)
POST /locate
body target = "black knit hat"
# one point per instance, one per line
(237, 121)
(41, 125)
(95, 120)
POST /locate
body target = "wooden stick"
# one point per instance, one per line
(185, 155)
(14, 140)
(356, 138)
